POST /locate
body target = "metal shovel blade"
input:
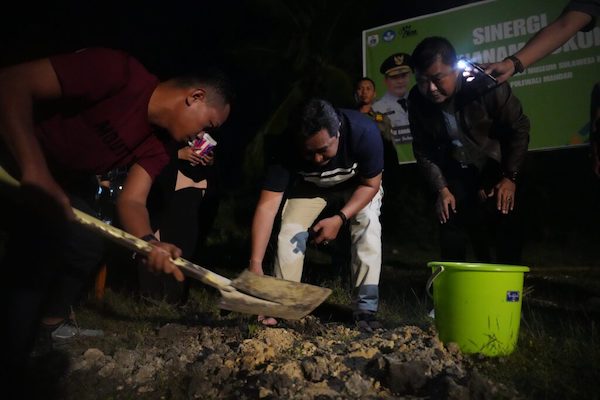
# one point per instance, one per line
(281, 298)
(256, 294)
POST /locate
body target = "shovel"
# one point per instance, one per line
(248, 293)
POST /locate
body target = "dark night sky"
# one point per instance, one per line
(170, 28)
(262, 44)
(170, 36)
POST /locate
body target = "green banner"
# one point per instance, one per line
(555, 91)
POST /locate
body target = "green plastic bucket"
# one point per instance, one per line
(477, 306)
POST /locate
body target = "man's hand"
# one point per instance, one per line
(501, 70)
(160, 259)
(445, 202)
(505, 195)
(327, 229)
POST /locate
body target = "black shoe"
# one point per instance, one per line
(367, 321)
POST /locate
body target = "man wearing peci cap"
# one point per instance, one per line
(397, 71)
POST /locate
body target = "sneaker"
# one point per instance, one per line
(367, 321)
(69, 329)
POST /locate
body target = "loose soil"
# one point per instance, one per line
(307, 359)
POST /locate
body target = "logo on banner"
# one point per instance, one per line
(407, 31)
(388, 36)
(373, 40)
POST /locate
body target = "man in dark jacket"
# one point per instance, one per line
(471, 146)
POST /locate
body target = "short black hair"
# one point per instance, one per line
(362, 79)
(213, 78)
(317, 114)
(429, 49)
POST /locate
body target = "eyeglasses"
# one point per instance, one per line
(437, 80)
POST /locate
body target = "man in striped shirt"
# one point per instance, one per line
(330, 175)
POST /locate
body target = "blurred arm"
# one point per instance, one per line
(262, 226)
(543, 43)
(20, 87)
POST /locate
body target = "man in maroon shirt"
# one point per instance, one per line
(71, 116)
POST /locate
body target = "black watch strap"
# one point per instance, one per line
(149, 238)
(342, 216)
(511, 176)
(519, 68)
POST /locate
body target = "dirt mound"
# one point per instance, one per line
(304, 360)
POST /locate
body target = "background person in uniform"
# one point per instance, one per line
(397, 71)
(470, 148)
(364, 96)
(64, 120)
(331, 156)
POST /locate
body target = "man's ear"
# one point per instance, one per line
(195, 95)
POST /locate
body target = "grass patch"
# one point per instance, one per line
(557, 357)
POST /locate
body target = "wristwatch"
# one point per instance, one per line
(511, 176)
(150, 238)
(519, 68)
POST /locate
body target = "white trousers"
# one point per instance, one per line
(365, 232)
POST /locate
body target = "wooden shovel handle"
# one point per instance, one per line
(140, 246)
(133, 243)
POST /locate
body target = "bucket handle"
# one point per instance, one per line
(436, 273)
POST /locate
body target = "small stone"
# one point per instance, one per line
(407, 377)
(145, 389)
(264, 392)
(312, 370)
(93, 355)
(365, 352)
(453, 348)
(125, 358)
(79, 364)
(357, 386)
(145, 374)
(387, 346)
(107, 370)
